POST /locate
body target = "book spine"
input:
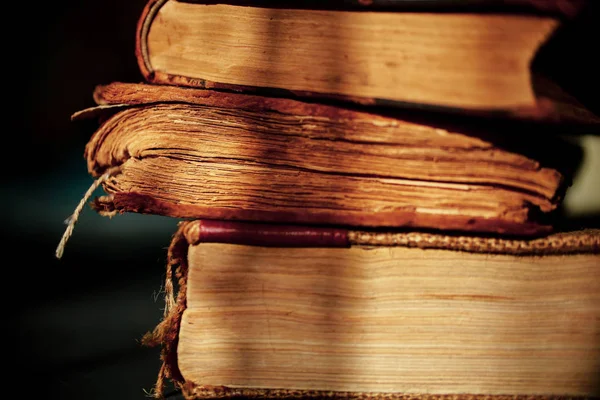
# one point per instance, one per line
(141, 35)
(260, 234)
(284, 235)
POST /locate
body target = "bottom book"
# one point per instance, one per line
(268, 311)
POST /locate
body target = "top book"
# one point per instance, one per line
(477, 57)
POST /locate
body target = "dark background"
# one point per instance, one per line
(74, 324)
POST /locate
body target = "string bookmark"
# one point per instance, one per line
(72, 219)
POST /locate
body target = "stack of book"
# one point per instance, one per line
(369, 192)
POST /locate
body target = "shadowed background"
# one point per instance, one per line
(79, 319)
(74, 324)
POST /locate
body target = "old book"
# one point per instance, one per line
(480, 57)
(276, 311)
(192, 153)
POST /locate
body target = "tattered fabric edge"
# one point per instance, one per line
(166, 333)
(570, 242)
(191, 391)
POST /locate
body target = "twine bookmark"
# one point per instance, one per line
(72, 220)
